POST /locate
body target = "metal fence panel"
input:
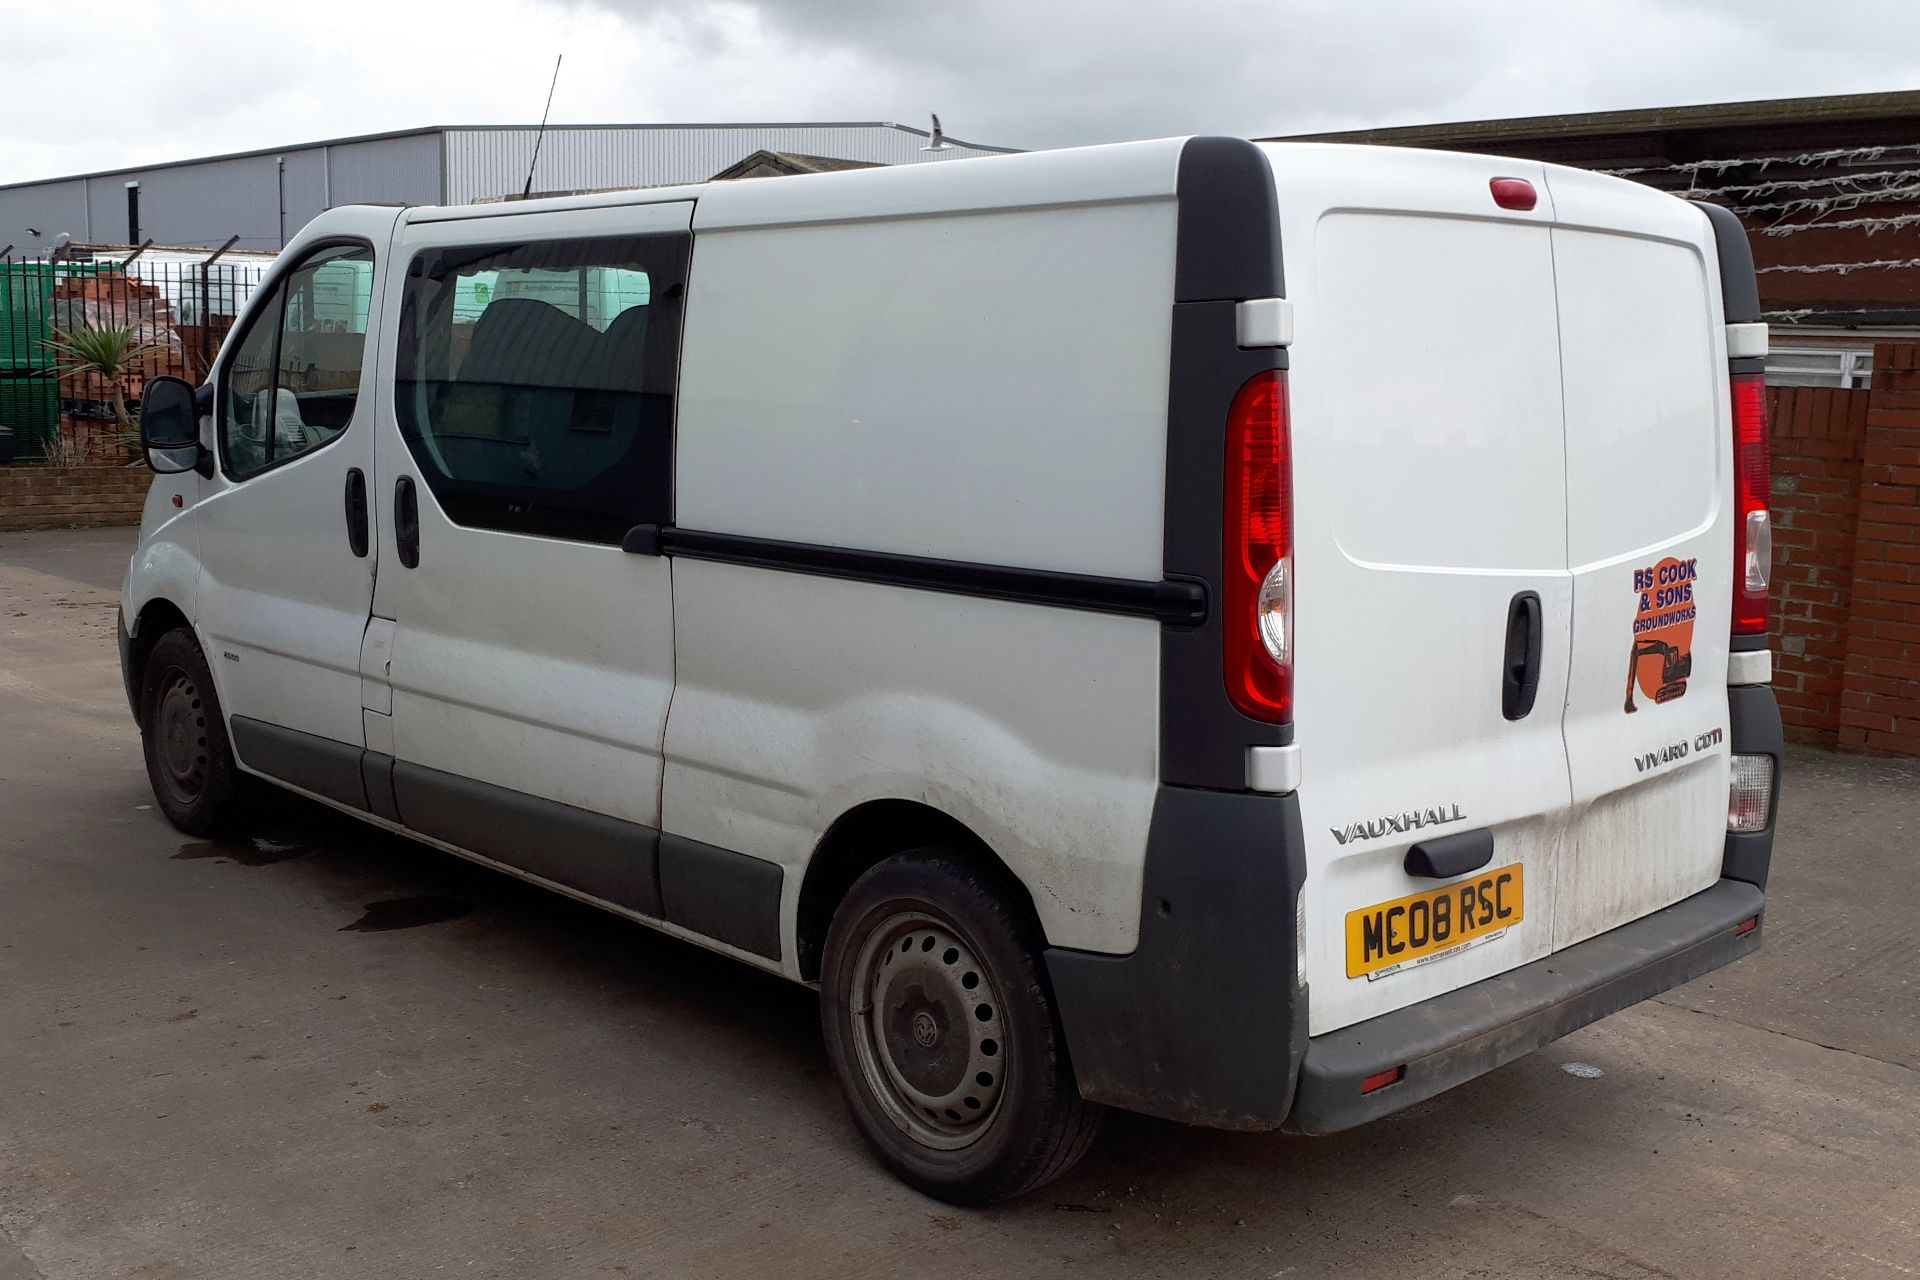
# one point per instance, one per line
(183, 309)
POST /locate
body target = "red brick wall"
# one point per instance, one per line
(1818, 434)
(71, 497)
(1846, 571)
(1880, 694)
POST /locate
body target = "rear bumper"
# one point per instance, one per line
(1452, 1038)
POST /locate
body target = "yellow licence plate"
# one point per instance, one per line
(1389, 936)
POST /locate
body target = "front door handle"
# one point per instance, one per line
(406, 521)
(357, 511)
(1520, 673)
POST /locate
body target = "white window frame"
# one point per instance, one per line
(1823, 366)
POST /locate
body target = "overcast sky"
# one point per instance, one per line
(97, 85)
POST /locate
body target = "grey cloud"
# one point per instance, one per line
(1039, 73)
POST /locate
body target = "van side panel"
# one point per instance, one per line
(988, 387)
(802, 697)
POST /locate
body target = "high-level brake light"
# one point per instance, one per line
(1513, 193)
(1257, 578)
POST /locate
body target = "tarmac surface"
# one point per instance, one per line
(322, 1051)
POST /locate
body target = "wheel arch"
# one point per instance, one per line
(156, 617)
(867, 835)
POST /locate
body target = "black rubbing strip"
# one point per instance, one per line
(605, 857)
(305, 760)
(376, 770)
(1167, 601)
(727, 896)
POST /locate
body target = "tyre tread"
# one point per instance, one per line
(219, 806)
(1068, 1123)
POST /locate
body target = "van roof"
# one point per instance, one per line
(1109, 173)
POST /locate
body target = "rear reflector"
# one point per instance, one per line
(1752, 492)
(1381, 1079)
(1746, 926)
(1513, 193)
(1300, 937)
(1750, 793)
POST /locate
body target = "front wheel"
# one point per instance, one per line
(184, 738)
(942, 1029)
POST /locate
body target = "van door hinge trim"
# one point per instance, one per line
(1263, 322)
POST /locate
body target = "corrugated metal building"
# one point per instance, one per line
(266, 196)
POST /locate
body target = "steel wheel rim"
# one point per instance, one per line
(180, 738)
(931, 1048)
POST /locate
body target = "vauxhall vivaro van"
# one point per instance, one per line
(1254, 634)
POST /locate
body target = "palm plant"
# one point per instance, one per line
(105, 351)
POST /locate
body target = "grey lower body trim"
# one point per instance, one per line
(724, 895)
(729, 897)
(1454, 1037)
(308, 761)
(376, 771)
(603, 857)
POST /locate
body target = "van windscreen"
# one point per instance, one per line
(534, 382)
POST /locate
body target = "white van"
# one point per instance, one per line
(1257, 635)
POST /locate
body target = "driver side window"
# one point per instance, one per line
(294, 378)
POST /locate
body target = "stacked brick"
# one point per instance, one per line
(71, 497)
(113, 298)
(1846, 574)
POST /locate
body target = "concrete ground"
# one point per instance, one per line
(243, 1060)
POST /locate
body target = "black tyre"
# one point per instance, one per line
(942, 1028)
(189, 759)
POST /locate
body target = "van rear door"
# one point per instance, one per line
(1430, 514)
(1650, 545)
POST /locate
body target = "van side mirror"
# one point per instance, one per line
(170, 426)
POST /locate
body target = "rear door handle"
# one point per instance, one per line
(1520, 673)
(406, 521)
(1445, 857)
(357, 511)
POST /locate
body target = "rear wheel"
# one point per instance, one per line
(942, 1028)
(184, 738)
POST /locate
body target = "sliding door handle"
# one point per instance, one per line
(406, 521)
(357, 511)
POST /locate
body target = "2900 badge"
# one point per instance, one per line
(1390, 936)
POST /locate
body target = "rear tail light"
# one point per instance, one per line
(1750, 793)
(1752, 491)
(1257, 578)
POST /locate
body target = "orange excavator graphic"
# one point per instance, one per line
(1675, 667)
